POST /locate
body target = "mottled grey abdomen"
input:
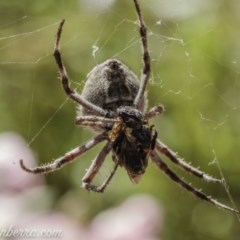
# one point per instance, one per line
(109, 85)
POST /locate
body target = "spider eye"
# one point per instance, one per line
(130, 115)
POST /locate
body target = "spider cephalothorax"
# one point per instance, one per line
(112, 103)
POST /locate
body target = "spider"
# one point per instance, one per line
(112, 103)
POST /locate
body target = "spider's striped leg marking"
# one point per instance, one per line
(95, 121)
(153, 112)
(65, 80)
(163, 167)
(94, 168)
(162, 148)
(146, 58)
(67, 158)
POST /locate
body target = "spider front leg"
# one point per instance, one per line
(94, 168)
(163, 167)
(65, 80)
(67, 158)
(162, 148)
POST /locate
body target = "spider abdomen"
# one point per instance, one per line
(110, 85)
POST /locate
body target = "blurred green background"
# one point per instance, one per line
(195, 51)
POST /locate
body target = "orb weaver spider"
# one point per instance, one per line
(112, 103)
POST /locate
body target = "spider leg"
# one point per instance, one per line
(65, 80)
(95, 121)
(146, 58)
(67, 158)
(162, 148)
(155, 111)
(94, 168)
(163, 166)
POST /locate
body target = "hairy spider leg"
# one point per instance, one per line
(153, 112)
(172, 175)
(146, 57)
(94, 168)
(67, 158)
(162, 148)
(95, 121)
(65, 80)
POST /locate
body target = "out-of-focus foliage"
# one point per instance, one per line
(195, 53)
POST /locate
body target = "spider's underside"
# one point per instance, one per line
(112, 103)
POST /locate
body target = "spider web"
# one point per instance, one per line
(195, 68)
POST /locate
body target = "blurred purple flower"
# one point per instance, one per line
(52, 226)
(12, 177)
(139, 217)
